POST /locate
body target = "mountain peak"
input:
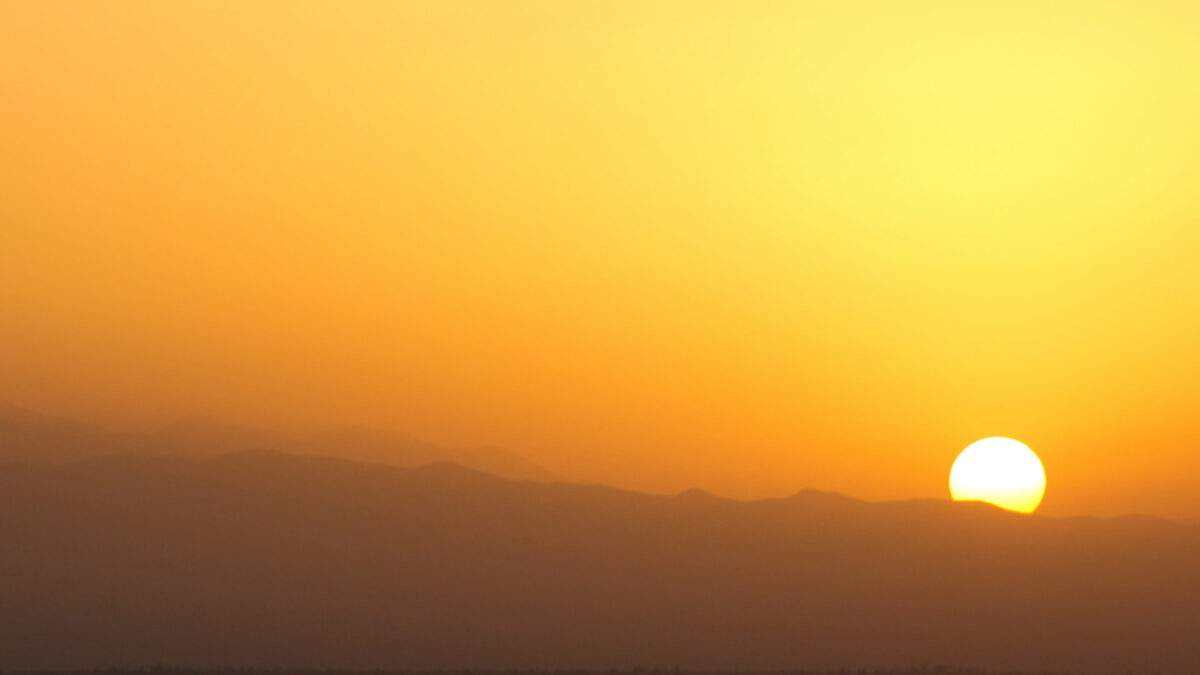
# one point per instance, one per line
(328, 557)
(697, 494)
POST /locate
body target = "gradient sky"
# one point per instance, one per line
(659, 245)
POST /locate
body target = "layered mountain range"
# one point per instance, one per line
(267, 558)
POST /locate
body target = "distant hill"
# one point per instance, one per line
(374, 446)
(169, 670)
(30, 437)
(270, 560)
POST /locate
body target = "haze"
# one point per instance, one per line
(653, 245)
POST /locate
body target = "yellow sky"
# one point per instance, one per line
(660, 245)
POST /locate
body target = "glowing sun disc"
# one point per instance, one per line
(999, 471)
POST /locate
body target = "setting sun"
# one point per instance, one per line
(623, 337)
(999, 471)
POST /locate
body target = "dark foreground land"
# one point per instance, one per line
(921, 670)
(269, 560)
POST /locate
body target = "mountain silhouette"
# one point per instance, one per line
(201, 436)
(375, 446)
(30, 437)
(260, 558)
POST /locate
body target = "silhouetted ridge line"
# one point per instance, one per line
(268, 559)
(164, 670)
(30, 437)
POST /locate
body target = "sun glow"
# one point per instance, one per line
(999, 471)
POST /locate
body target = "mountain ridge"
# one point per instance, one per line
(32, 437)
(265, 559)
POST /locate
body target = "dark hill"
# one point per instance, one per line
(265, 559)
(27, 437)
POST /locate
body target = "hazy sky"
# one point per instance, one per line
(660, 245)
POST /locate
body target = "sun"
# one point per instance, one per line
(999, 471)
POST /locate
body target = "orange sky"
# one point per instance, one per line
(658, 245)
